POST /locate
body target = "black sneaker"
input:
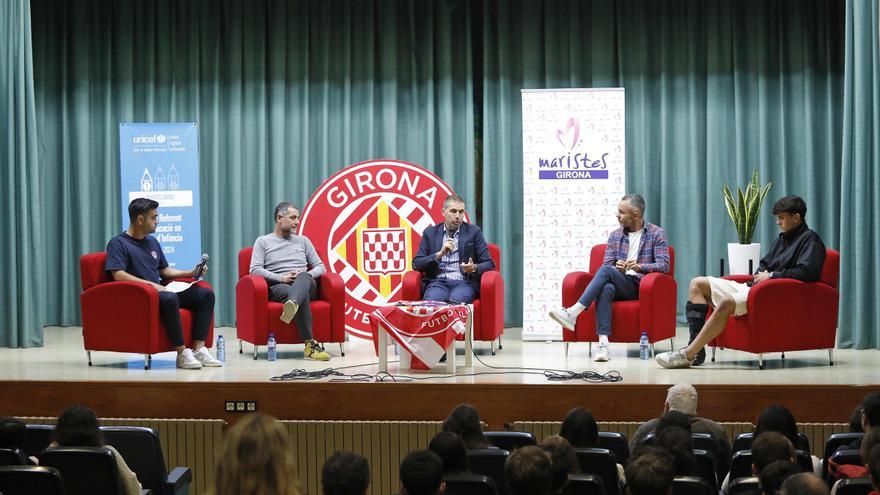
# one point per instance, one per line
(701, 357)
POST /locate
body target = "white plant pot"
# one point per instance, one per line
(738, 256)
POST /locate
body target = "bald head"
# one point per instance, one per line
(804, 484)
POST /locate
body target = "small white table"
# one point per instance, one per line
(450, 351)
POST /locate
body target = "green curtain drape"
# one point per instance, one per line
(22, 293)
(713, 91)
(860, 184)
(286, 93)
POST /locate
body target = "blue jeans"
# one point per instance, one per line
(608, 285)
(445, 290)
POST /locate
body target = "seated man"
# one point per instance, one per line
(421, 473)
(136, 256)
(446, 257)
(528, 471)
(798, 253)
(345, 473)
(635, 249)
(291, 265)
(650, 471)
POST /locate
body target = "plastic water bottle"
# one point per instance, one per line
(271, 355)
(221, 348)
(644, 347)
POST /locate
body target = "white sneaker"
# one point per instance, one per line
(601, 354)
(673, 359)
(186, 360)
(205, 357)
(290, 309)
(563, 317)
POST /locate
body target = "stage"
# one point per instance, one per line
(40, 381)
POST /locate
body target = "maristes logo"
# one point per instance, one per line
(572, 162)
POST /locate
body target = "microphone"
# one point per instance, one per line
(200, 267)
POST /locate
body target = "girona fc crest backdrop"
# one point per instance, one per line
(366, 222)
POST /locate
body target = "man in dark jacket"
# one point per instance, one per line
(798, 253)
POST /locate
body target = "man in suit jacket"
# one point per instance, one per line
(452, 256)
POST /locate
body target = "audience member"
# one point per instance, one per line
(774, 474)
(870, 418)
(803, 484)
(874, 469)
(843, 471)
(673, 418)
(256, 458)
(650, 471)
(452, 451)
(464, 420)
(77, 426)
(345, 473)
(778, 418)
(770, 447)
(13, 433)
(528, 471)
(855, 420)
(563, 461)
(421, 473)
(678, 442)
(579, 427)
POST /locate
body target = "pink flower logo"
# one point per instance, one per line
(569, 134)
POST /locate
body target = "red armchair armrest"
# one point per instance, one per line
(657, 294)
(412, 286)
(333, 291)
(573, 285)
(251, 296)
(106, 314)
(492, 303)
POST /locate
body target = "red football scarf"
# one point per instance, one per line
(423, 328)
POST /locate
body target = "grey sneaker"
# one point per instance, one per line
(563, 317)
(673, 359)
(601, 354)
(186, 361)
(205, 357)
(290, 309)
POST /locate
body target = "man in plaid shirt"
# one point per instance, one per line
(634, 250)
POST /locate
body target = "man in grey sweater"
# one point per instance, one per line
(290, 265)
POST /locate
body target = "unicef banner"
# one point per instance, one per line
(366, 222)
(161, 162)
(573, 179)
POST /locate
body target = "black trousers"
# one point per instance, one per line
(199, 300)
(301, 291)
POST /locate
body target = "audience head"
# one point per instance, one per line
(345, 473)
(580, 429)
(421, 473)
(451, 450)
(650, 471)
(769, 447)
(528, 471)
(774, 474)
(803, 484)
(868, 442)
(874, 466)
(855, 420)
(682, 397)
(678, 442)
(778, 418)
(464, 420)
(673, 418)
(77, 426)
(563, 461)
(256, 457)
(13, 431)
(871, 412)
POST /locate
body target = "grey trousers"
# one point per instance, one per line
(301, 291)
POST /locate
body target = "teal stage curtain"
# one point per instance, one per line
(22, 292)
(713, 91)
(860, 182)
(285, 94)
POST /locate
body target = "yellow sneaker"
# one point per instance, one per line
(290, 309)
(314, 351)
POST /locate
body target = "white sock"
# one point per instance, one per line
(576, 309)
(603, 340)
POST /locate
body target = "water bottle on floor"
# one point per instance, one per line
(271, 355)
(221, 348)
(644, 347)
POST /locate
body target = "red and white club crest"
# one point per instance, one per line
(366, 222)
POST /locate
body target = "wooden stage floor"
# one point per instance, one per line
(41, 381)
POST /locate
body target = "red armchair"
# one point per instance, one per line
(124, 316)
(256, 316)
(653, 312)
(774, 325)
(488, 308)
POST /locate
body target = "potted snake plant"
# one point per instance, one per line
(744, 209)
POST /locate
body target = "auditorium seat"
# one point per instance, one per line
(705, 442)
(706, 463)
(653, 312)
(810, 321)
(601, 463)
(469, 484)
(741, 463)
(30, 480)
(616, 443)
(141, 450)
(845, 456)
(584, 484)
(854, 486)
(490, 462)
(256, 316)
(37, 439)
(85, 470)
(743, 441)
(488, 308)
(744, 486)
(835, 442)
(12, 457)
(510, 440)
(689, 485)
(124, 316)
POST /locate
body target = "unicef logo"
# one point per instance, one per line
(160, 138)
